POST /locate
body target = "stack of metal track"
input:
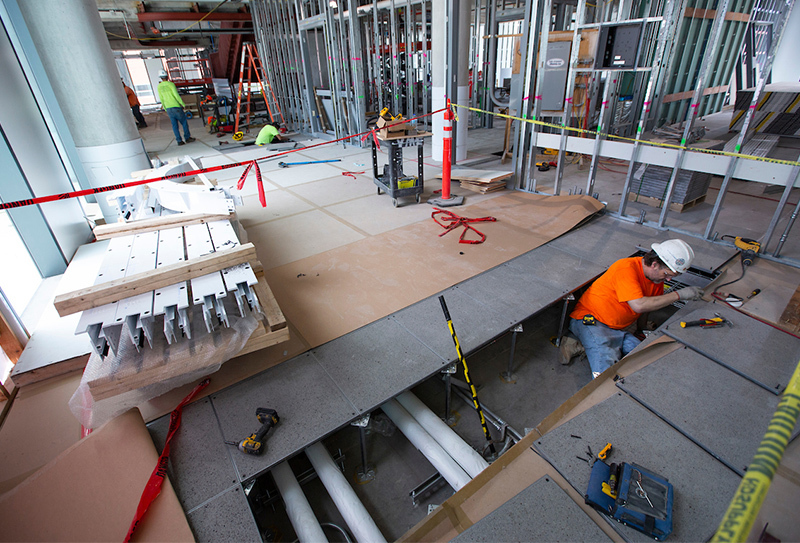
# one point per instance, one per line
(778, 112)
(652, 181)
(168, 307)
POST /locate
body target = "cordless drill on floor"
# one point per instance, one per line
(255, 443)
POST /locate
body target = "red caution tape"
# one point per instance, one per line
(190, 173)
(261, 196)
(352, 174)
(153, 487)
(454, 221)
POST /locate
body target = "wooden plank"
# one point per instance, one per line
(477, 176)
(106, 231)
(112, 291)
(62, 367)
(269, 305)
(790, 319)
(9, 342)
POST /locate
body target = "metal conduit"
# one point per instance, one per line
(305, 523)
(422, 440)
(353, 511)
(466, 457)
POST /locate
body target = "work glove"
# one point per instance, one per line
(690, 293)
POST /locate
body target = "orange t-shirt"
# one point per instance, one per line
(607, 298)
(132, 99)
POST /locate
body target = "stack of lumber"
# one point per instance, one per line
(650, 186)
(481, 181)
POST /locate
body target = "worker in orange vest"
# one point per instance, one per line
(133, 101)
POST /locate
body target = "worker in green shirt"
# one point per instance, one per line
(271, 132)
(173, 105)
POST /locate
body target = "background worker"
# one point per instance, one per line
(173, 104)
(271, 132)
(133, 101)
(607, 313)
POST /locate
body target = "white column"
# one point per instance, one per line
(305, 523)
(75, 53)
(438, 76)
(472, 462)
(353, 511)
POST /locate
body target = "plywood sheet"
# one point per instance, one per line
(91, 491)
(335, 292)
(477, 176)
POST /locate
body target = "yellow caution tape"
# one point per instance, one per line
(746, 503)
(633, 140)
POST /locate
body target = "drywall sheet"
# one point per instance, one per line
(759, 351)
(200, 464)
(718, 408)
(308, 402)
(332, 293)
(91, 491)
(703, 486)
(541, 512)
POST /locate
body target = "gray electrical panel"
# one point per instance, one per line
(554, 78)
(618, 46)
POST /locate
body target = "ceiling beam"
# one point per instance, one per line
(153, 16)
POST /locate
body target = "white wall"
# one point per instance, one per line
(786, 67)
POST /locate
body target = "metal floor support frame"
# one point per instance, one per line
(327, 388)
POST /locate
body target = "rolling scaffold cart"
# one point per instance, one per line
(393, 181)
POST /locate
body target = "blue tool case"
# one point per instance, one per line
(632, 495)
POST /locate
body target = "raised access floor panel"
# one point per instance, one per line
(541, 512)
(703, 486)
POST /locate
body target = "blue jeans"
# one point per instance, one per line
(177, 114)
(604, 346)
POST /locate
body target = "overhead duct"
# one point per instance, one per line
(422, 440)
(305, 523)
(353, 511)
(472, 462)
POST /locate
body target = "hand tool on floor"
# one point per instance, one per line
(287, 164)
(463, 361)
(254, 444)
(714, 322)
(754, 293)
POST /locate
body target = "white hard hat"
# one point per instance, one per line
(163, 74)
(675, 253)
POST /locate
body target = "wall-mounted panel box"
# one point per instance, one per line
(618, 46)
(554, 78)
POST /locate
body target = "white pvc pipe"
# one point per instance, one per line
(472, 462)
(422, 440)
(305, 523)
(353, 511)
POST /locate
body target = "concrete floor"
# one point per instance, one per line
(344, 210)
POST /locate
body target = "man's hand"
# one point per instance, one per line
(690, 293)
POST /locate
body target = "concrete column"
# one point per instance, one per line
(74, 50)
(439, 27)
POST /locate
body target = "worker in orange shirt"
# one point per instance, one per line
(607, 313)
(133, 101)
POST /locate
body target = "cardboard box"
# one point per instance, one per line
(391, 128)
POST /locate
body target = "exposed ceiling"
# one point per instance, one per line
(166, 23)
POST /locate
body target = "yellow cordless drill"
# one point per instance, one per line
(255, 443)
